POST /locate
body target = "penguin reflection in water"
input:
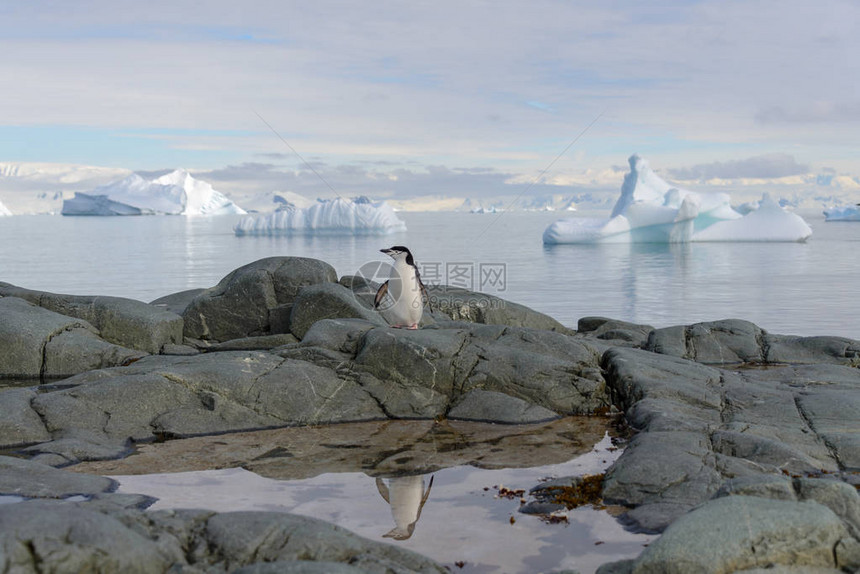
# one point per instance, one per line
(406, 496)
(401, 298)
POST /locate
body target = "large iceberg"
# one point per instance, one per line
(360, 216)
(4, 210)
(176, 193)
(849, 213)
(650, 210)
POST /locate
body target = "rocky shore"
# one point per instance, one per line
(745, 452)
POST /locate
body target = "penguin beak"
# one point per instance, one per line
(388, 252)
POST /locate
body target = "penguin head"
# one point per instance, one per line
(399, 253)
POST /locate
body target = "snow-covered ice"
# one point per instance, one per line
(4, 210)
(360, 216)
(650, 210)
(176, 193)
(849, 213)
(769, 222)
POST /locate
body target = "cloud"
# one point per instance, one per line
(442, 83)
(816, 112)
(769, 166)
(401, 182)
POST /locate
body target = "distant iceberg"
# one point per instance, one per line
(4, 210)
(652, 211)
(849, 213)
(176, 193)
(360, 216)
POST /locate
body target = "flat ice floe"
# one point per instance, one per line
(650, 210)
(176, 193)
(849, 213)
(326, 217)
(4, 210)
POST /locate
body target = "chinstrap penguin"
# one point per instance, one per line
(400, 300)
(407, 497)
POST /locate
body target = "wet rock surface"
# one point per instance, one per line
(699, 426)
(382, 448)
(242, 303)
(106, 537)
(730, 424)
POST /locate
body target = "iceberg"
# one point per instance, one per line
(849, 213)
(176, 193)
(650, 210)
(359, 216)
(770, 222)
(4, 210)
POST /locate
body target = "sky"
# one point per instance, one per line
(442, 96)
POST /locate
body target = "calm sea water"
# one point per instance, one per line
(806, 289)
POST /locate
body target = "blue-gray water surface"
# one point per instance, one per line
(790, 288)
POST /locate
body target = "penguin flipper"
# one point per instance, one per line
(380, 294)
(425, 294)
(424, 498)
(383, 489)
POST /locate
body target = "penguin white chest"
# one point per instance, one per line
(404, 291)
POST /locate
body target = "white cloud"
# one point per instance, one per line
(770, 166)
(445, 83)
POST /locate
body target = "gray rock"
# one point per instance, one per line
(707, 425)
(246, 537)
(634, 375)
(474, 307)
(203, 394)
(411, 372)
(19, 423)
(832, 412)
(121, 321)
(619, 567)
(177, 302)
(848, 554)
(732, 341)
(716, 342)
(753, 445)
(299, 392)
(664, 475)
(240, 305)
(420, 374)
(33, 480)
(299, 567)
(328, 301)
(179, 350)
(480, 405)
(41, 343)
(763, 486)
(50, 537)
(781, 569)
(265, 342)
(71, 450)
(839, 497)
(741, 532)
(620, 333)
(76, 351)
(342, 335)
(790, 349)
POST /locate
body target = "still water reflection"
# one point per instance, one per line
(406, 496)
(430, 487)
